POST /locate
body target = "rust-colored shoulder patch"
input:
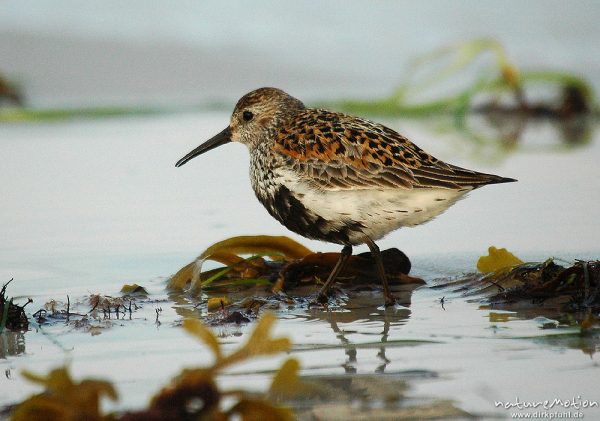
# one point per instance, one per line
(328, 136)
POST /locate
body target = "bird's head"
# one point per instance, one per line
(256, 117)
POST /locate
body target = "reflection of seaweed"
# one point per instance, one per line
(578, 285)
(11, 343)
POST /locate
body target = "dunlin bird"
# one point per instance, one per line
(338, 178)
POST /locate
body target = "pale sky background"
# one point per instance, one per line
(68, 52)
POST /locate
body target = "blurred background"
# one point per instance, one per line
(68, 53)
(82, 187)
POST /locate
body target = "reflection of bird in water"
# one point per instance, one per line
(361, 316)
(337, 178)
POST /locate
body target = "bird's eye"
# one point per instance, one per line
(247, 115)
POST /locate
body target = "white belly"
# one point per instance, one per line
(380, 211)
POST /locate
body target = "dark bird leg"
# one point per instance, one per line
(344, 256)
(389, 298)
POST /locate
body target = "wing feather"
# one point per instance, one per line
(335, 151)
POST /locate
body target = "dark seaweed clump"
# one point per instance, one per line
(12, 316)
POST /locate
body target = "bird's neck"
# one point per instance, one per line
(262, 176)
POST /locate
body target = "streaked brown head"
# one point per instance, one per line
(256, 115)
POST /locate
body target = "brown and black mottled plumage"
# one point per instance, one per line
(344, 152)
(338, 178)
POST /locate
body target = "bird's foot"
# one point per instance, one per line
(390, 300)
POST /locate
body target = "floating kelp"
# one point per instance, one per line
(228, 251)
(281, 264)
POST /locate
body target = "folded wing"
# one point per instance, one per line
(335, 151)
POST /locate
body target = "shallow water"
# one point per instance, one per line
(90, 205)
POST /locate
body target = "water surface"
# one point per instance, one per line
(89, 205)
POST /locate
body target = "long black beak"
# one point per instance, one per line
(218, 140)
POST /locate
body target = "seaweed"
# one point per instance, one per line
(281, 264)
(193, 394)
(9, 93)
(505, 281)
(12, 316)
(500, 78)
(64, 399)
(576, 286)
